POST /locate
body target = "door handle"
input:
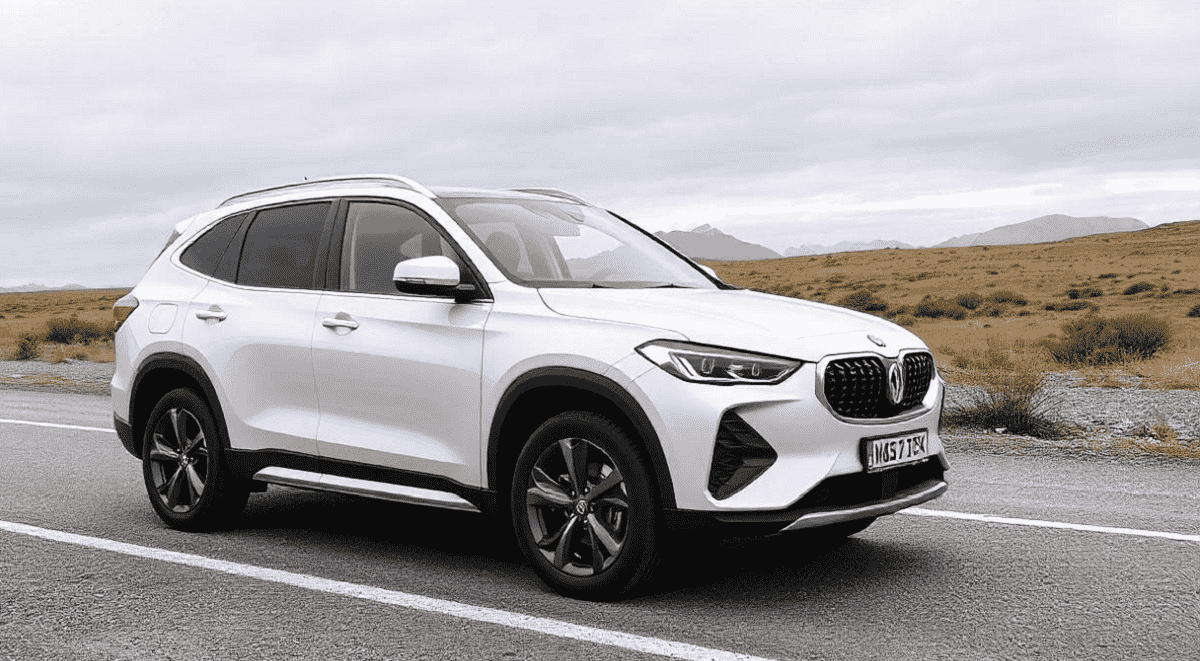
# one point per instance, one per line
(342, 320)
(213, 312)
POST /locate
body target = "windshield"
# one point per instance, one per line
(559, 244)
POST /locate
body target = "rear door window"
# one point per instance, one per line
(281, 246)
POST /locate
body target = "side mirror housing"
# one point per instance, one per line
(709, 270)
(436, 275)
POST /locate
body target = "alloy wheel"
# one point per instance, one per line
(178, 460)
(577, 507)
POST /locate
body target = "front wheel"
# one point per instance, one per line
(183, 464)
(584, 509)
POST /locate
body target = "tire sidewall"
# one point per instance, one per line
(638, 557)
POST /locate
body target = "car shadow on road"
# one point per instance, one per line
(370, 536)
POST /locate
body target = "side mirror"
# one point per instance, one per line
(436, 275)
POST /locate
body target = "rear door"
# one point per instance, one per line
(251, 327)
(397, 375)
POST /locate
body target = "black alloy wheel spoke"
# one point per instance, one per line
(178, 425)
(602, 533)
(597, 558)
(613, 479)
(161, 452)
(561, 550)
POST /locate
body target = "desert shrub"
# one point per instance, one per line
(1095, 340)
(29, 346)
(1103, 276)
(1007, 296)
(69, 330)
(1087, 292)
(1195, 311)
(1016, 400)
(1071, 306)
(1187, 291)
(864, 301)
(969, 301)
(905, 320)
(936, 308)
(991, 310)
(1137, 288)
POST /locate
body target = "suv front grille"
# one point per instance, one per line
(857, 387)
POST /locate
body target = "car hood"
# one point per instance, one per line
(738, 319)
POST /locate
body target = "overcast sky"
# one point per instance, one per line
(781, 123)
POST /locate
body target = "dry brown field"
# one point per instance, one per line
(1102, 268)
(28, 312)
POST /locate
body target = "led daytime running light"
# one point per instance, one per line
(698, 363)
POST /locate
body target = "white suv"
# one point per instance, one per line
(519, 353)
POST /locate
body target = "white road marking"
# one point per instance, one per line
(645, 644)
(55, 424)
(988, 518)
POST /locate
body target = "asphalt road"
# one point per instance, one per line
(909, 587)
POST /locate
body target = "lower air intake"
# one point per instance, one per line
(739, 456)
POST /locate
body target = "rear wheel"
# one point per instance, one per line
(183, 464)
(583, 508)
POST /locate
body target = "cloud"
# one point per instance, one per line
(665, 111)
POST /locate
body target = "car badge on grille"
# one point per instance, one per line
(877, 341)
(895, 384)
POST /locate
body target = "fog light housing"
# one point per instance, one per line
(740, 455)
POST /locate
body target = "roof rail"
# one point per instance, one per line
(391, 180)
(555, 192)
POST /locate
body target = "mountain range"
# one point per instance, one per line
(844, 246)
(1055, 227)
(33, 286)
(709, 243)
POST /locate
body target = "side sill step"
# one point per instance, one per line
(366, 488)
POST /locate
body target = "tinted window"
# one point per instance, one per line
(379, 236)
(205, 253)
(281, 246)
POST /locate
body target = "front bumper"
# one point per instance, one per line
(835, 500)
(812, 444)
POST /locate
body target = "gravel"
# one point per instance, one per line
(1111, 423)
(73, 376)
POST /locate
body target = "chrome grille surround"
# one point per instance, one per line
(854, 387)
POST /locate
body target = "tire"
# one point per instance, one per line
(593, 536)
(187, 480)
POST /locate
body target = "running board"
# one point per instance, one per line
(366, 488)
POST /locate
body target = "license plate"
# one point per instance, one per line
(891, 451)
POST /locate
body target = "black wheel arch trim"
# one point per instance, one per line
(180, 363)
(595, 384)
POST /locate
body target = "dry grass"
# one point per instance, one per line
(25, 313)
(1004, 277)
(1157, 440)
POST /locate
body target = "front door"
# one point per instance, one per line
(397, 376)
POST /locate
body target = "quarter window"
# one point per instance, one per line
(205, 253)
(379, 236)
(281, 246)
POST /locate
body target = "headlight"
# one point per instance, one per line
(700, 363)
